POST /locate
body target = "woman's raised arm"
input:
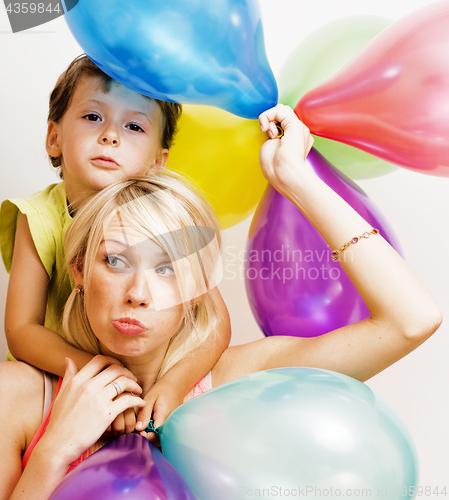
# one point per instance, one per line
(403, 314)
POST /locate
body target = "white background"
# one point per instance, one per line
(416, 205)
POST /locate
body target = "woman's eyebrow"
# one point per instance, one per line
(161, 254)
(112, 240)
(106, 241)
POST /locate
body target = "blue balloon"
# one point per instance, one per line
(190, 51)
(128, 467)
(270, 433)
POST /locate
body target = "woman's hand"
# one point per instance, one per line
(283, 158)
(86, 405)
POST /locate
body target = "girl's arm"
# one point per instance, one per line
(73, 428)
(28, 339)
(169, 392)
(403, 314)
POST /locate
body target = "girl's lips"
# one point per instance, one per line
(129, 326)
(105, 161)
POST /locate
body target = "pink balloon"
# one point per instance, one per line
(392, 99)
(293, 285)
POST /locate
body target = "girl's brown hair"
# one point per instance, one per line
(65, 87)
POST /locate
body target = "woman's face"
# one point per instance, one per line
(132, 301)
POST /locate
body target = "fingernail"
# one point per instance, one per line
(139, 425)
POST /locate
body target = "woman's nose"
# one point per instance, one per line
(138, 293)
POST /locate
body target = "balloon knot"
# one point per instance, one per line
(150, 427)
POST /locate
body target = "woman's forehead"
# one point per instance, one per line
(118, 228)
(122, 232)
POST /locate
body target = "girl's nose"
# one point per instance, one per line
(110, 135)
(112, 141)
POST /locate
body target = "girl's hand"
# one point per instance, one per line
(283, 158)
(162, 399)
(124, 423)
(86, 405)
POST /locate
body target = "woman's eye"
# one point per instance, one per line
(92, 117)
(135, 128)
(165, 270)
(114, 262)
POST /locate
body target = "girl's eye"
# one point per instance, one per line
(135, 128)
(92, 117)
(165, 270)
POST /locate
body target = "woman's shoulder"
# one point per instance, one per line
(262, 354)
(21, 396)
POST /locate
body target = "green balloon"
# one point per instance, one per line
(288, 428)
(318, 57)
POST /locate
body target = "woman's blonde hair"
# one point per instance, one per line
(167, 210)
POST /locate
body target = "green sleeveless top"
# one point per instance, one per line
(48, 219)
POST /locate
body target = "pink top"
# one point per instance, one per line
(201, 387)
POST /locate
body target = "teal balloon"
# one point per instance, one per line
(188, 51)
(282, 429)
(318, 57)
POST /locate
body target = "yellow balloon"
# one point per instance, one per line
(219, 152)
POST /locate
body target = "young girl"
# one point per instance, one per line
(99, 132)
(116, 279)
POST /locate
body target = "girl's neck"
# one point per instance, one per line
(76, 198)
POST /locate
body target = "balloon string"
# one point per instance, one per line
(150, 427)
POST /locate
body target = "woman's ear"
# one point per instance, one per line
(77, 273)
(198, 300)
(52, 143)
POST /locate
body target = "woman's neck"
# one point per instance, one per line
(145, 372)
(144, 368)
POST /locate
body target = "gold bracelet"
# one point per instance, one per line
(366, 235)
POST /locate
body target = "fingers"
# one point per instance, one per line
(104, 379)
(96, 366)
(283, 115)
(124, 423)
(145, 414)
(278, 114)
(152, 438)
(104, 371)
(160, 415)
(125, 402)
(122, 384)
(70, 369)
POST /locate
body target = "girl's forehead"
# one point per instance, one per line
(91, 88)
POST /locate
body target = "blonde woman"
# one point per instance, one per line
(143, 255)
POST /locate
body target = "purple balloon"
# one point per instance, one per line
(294, 287)
(128, 467)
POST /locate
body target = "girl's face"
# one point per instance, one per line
(132, 300)
(105, 137)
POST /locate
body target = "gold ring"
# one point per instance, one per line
(280, 131)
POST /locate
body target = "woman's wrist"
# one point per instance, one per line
(43, 473)
(51, 457)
